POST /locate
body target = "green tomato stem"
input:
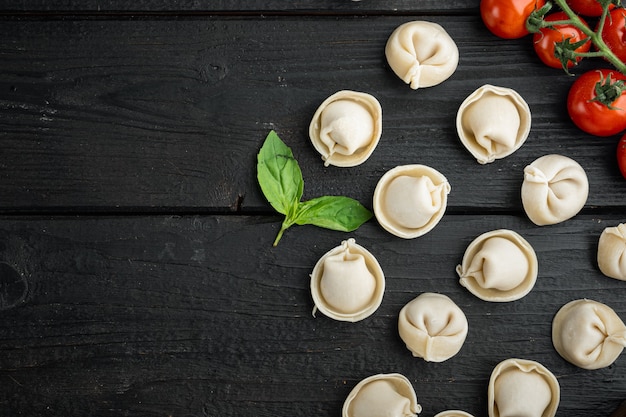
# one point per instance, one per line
(590, 54)
(605, 12)
(554, 23)
(595, 37)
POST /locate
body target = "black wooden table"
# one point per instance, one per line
(137, 273)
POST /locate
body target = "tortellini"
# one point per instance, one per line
(612, 252)
(433, 327)
(588, 334)
(346, 128)
(347, 283)
(390, 395)
(493, 122)
(521, 387)
(555, 189)
(410, 200)
(499, 266)
(453, 413)
(422, 53)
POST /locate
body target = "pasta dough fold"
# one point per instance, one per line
(522, 388)
(389, 395)
(555, 189)
(612, 252)
(422, 53)
(499, 266)
(410, 200)
(433, 327)
(493, 122)
(588, 334)
(347, 283)
(346, 128)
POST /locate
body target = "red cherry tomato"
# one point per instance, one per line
(621, 155)
(592, 116)
(587, 7)
(545, 40)
(614, 33)
(507, 18)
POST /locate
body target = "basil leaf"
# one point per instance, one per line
(333, 212)
(279, 174)
(280, 179)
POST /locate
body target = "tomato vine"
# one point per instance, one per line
(566, 50)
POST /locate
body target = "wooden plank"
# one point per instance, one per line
(200, 316)
(250, 6)
(169, 114)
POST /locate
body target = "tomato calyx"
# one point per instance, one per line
(535, 21)
(566, 52)
(607, 91)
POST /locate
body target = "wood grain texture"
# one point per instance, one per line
(119, 115)
(137, 276)
(229, 6)
(197, 316)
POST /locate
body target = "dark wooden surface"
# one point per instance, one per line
(137, 276)
(145, 7)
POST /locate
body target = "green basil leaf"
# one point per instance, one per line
(279, 174)
(280, 179)
(333, 212)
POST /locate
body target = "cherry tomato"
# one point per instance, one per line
(587, 7)
(621, 155)
(592, 116)
(545, 40)
(507, 18)
(614, 33)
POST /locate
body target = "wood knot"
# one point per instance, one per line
(213, 73)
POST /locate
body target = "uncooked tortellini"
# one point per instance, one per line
(410, 200)
(555, 189)
(346, 128)
(347, 283)
(612, 252)
(520, 387)
(588, 334)
(433, 327)
(453, 413)
(493, 122)
(390, 395)
(422, 54)
(499, 266)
